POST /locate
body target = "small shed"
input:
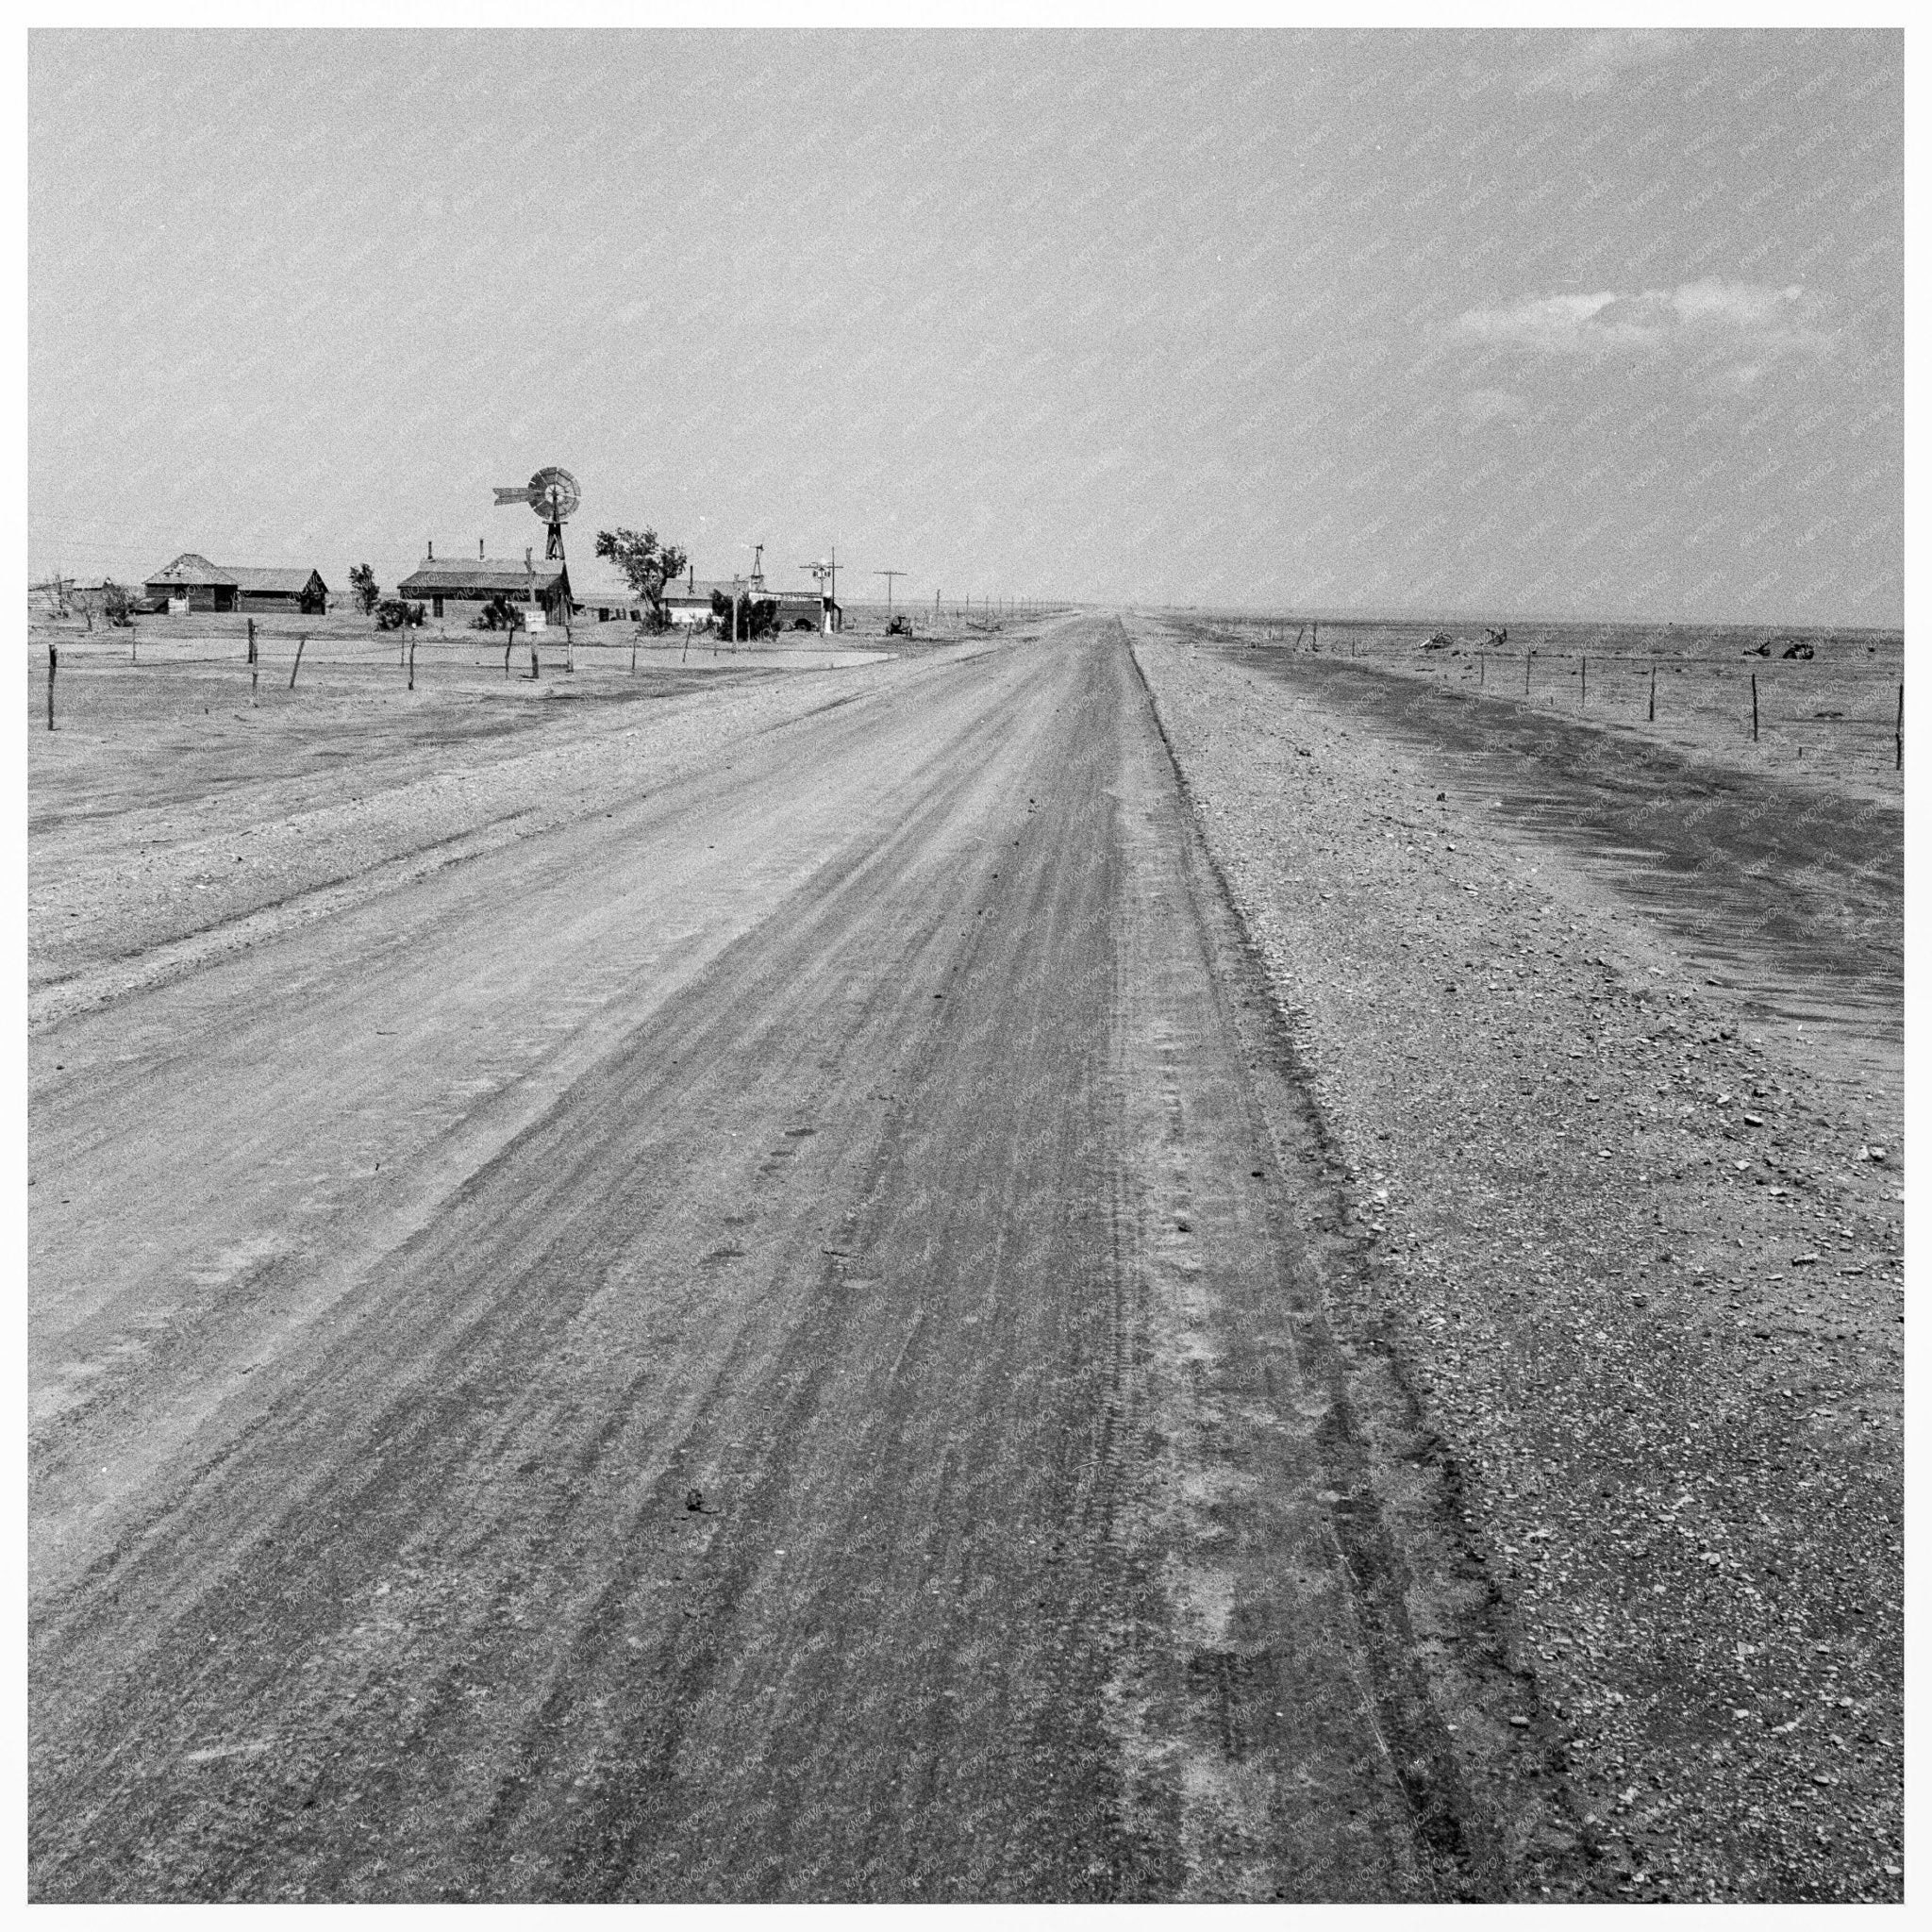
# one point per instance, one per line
(609, 598)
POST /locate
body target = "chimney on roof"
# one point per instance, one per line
(691, 579)
(480, 550)
(431, 555)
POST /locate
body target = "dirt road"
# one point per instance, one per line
(765, 1342)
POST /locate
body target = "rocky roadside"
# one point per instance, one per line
(1639, 1261)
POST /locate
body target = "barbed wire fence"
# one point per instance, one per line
(1844, 693)
(259, 646)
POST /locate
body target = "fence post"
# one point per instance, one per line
(1527, 655)
(412, 636)
(1586, 685)
(53, 664)
(1754, 707)
(1898, 761)
(1653, 694)
(301, 646)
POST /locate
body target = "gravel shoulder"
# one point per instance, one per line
(1632, 1242)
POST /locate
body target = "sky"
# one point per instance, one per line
(1503, 324)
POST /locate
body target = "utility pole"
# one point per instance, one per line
(889, 576)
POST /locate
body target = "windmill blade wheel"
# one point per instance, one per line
(554, 494)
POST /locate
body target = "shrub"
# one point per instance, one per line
(755, 619)
(499, 614)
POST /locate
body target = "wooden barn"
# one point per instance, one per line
(193, 583)
(462, 589)
(301, 592)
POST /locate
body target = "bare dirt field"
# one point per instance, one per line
(1056, 1265)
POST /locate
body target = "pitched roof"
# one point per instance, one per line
(295, 581)
(603, 588)
(191, 568)
(482, 573)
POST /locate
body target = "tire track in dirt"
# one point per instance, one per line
(794, 1449)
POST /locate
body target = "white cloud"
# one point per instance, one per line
(1594, 62)
(1744, 324)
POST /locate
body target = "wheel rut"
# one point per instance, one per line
(859, 1427)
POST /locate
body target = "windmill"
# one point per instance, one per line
(552, 493)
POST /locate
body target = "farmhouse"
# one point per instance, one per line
(462, 589)
(689, 602)
(193, 583)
